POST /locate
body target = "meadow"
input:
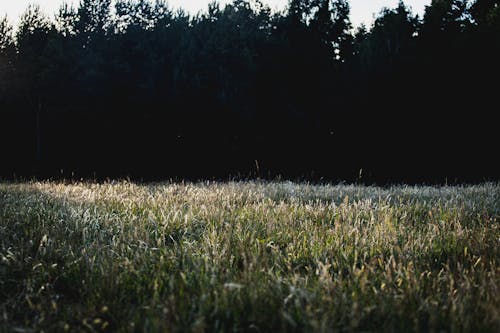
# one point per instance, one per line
(248, 257)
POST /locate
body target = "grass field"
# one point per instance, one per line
(249, 256)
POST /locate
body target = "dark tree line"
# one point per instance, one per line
(132, 88)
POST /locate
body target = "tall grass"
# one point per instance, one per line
(247, 256)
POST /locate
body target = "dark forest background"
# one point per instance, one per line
(133, 89)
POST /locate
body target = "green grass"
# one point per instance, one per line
(256, 257)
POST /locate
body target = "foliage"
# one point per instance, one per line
(238, 84)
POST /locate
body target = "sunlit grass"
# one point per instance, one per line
(248, 256)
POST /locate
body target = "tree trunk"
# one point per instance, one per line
(38, 148)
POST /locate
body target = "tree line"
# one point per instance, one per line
(133, 88)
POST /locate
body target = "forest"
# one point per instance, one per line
(131, 88)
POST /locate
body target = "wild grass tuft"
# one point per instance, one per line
(248, 256)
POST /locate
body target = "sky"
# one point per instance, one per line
(362, 11)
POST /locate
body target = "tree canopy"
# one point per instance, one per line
(133, 88)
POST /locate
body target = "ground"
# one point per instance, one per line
(248, 256)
